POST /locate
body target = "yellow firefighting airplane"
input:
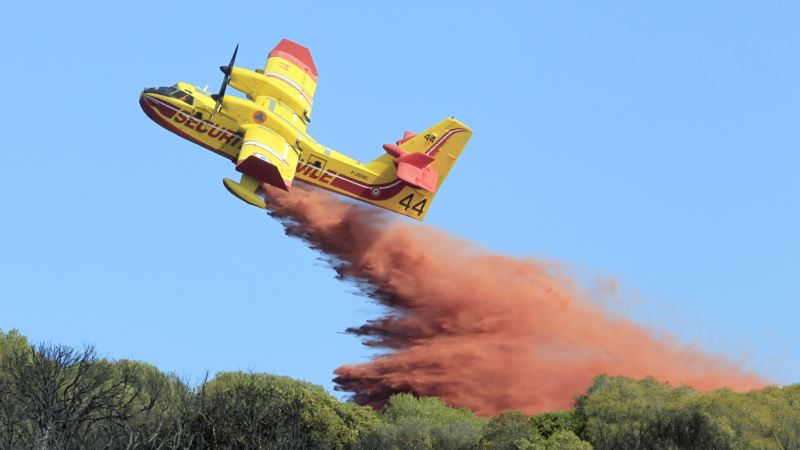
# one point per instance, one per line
(265, 136)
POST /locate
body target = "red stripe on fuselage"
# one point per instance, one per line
(361, 189)
(357, 188)
(149, 107)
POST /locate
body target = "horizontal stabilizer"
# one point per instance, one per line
(414, 168)
(425, 178)
(419, 160)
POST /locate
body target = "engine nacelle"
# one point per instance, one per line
(255, 84)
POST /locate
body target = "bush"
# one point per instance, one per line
(54, 396)
(239, 410)
(644, 414)
(408, 422)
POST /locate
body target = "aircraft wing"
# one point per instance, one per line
(266, 156)
(291, 64)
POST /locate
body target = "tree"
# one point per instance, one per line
(566, 440)
(549, 423)
(239, 410)
(158, 415)
(408, 422)
(58, 397)
(11, 410)
(547, 431)
(511, 430)
(55, 396)
(643, 414)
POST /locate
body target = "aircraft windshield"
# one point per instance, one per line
(173, 92)
(183, 95)
(164, 90)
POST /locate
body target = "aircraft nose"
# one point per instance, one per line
(146, 101)
(154, 107)
(147, 94)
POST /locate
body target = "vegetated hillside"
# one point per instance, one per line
(58, 397)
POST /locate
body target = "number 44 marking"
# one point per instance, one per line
(419, 207)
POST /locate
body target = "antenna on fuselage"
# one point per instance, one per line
(225, 80)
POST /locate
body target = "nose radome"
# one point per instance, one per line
(146, 102)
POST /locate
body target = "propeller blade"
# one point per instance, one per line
(227, 71)
(225, 80)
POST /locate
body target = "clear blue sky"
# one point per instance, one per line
(655, 143)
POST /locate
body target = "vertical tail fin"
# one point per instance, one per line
(422, 161)
(425, 159)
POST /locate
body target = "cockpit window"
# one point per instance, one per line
(183, 95)
(163, 90)
(173, 92)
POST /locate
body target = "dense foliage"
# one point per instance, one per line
(57, 397)
(643, 414)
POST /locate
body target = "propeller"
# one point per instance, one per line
(225, 80)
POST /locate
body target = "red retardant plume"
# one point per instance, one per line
(479, 330)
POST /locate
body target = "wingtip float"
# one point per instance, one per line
(265, 136)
